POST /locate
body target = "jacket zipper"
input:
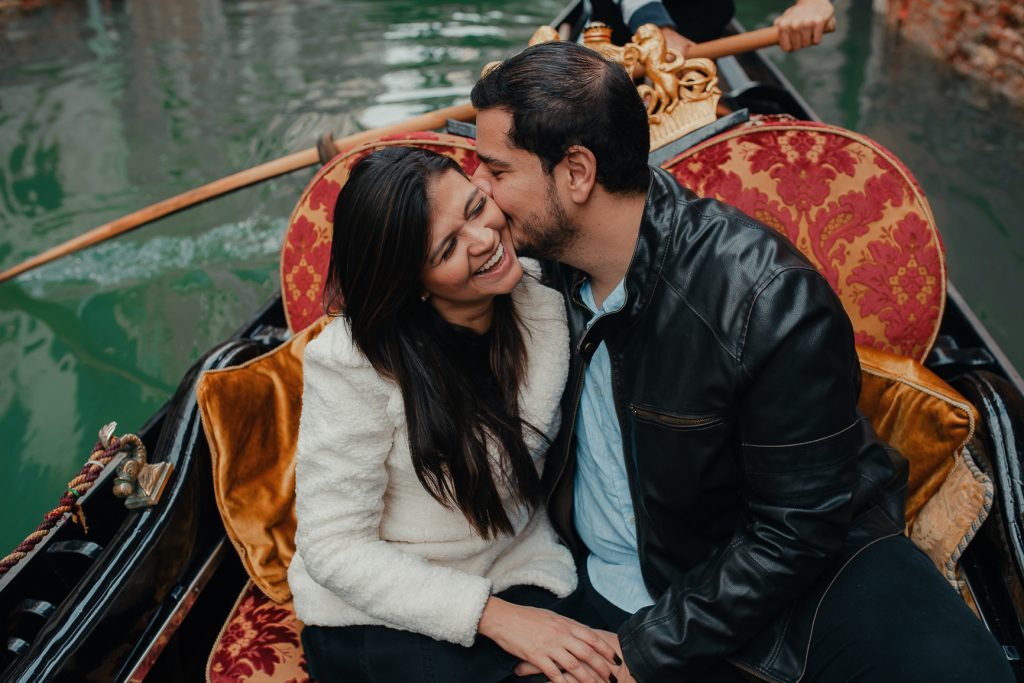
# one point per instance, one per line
(755, 673)
(672, 420)
(631, 472)
(577, 392)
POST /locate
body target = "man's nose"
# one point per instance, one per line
(481, 180)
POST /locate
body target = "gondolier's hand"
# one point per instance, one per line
(803, 24)
(675, 40)
(562, 649)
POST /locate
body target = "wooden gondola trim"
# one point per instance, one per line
(70, 504)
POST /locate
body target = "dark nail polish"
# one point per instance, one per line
(612, 678)
(617, 659)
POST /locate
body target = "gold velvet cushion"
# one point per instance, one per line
(928, 422)
(251, 418)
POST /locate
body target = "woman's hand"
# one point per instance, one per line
(620, 672)
(562, 649)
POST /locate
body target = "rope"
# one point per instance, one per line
(69, 501)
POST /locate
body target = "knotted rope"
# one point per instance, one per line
(77, 488)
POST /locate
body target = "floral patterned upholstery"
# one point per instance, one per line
(307, 243)
(259, 643)
(849, 205)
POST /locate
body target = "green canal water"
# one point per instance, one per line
(106, 107)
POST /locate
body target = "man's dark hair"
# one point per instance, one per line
(562, 94)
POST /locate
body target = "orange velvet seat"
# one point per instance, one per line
(925, 419)
(849, 205)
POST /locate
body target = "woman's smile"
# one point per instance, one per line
(494, 264)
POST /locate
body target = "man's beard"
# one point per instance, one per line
(547, 237)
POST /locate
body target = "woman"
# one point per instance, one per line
(427, 407)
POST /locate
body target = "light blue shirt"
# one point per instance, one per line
(602, 506)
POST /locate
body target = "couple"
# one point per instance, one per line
(653, 470)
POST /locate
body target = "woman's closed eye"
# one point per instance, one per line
(476, 210)
(449, 250)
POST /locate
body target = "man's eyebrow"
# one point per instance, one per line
(491, 161)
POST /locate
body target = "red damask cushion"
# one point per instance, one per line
(259, 642)
(307, 243)
(850, 206)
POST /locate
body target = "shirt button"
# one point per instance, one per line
(632, 519)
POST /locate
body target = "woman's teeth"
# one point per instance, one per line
(493, 261)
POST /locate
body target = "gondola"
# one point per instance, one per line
(145, 593)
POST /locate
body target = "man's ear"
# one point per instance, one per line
(580, 168)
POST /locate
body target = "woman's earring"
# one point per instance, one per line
(424, 296)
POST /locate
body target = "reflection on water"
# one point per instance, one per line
(963, 143)
(106, 107)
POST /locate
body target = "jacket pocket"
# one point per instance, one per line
(673, 421)
(685, 468)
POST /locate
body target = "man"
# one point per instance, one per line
(684, 22)
(729, 508)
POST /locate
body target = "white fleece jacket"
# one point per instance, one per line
(372, 546)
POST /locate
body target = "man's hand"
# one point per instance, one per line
(619, 673)
(562, 649)
(803, 24)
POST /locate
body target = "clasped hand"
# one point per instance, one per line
(547, 643)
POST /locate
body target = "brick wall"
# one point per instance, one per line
(983, 38)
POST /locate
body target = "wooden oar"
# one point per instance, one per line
(271, 169)
(743, 42)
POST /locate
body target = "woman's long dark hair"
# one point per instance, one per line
(380, 247)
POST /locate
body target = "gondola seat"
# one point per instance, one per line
(259, 643)
(849, 205)
(253, 454)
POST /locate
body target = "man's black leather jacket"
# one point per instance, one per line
(753, 477)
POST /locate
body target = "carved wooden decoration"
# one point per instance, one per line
(681, 95)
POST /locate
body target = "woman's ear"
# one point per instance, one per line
(580, 167)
